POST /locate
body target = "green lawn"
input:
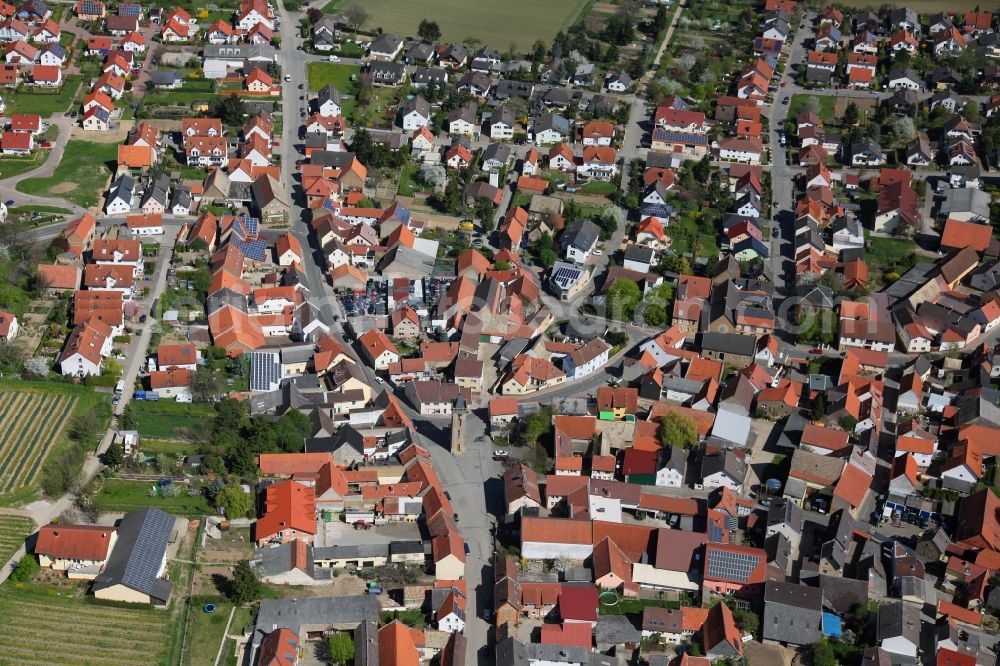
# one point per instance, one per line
(81, 176)
(163, 419)
(891, 254)
(15, 166)
(825, 111)
(323, 73)
(599, 187)
(407, 180)
(206, 630)
(120, 495)
(44, 104)
(193, 90)
(635, 606)
(499, 24)
(689, 236)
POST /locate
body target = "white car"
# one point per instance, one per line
(334, 58)
(501, 453)
(288, 77)
(598, 253)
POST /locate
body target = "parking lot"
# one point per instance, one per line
(336, 533)
(376, 300)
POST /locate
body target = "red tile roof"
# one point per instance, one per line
(288, 505)
(74, 542)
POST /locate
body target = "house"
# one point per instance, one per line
(16, 143)
(720, 636)
(496, 156)
(723, 469)
(549, 128)
(431, 397)
(79, 550)
(617, 81)
(386, 73)
(414, 113)
(793, 614)
(259, 81)
(748, 150)
(599, 163)
(8, 326)
(865, 152)
(385, 47)
(378, 349)
(463, 121)
(137, 563)
(561, 158)
(918, 151)
(587, 359)
(898, 206)
(500, 125)
(289, 513)
(597, 133)
(88, 344)
(671, 467)
(578, 240)
(898, 628)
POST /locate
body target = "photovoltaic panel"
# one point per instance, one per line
(730, 565)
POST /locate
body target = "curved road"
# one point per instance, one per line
(8, 186)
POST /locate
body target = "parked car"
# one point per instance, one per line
(501, 454)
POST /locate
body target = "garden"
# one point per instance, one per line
(167, 419)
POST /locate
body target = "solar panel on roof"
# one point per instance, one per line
(265, 371)
(255, 250)
(143, 566)
(715, 533)
(129, 9)
(730, 565)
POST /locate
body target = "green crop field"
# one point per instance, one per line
(13, 531)
(498, 24)
(45, 628)
(31, 423)
(81, 176)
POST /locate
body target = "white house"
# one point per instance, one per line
(86, 347)
(8, 326)
(748, 150)
(587, 359)
(671, 466)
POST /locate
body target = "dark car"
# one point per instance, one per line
(142, 319)
(455, 517)
(816, 351)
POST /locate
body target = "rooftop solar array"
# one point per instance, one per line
(730, 565)
(265, 371)
(143, 565)
(255, 249)
(246, 228)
